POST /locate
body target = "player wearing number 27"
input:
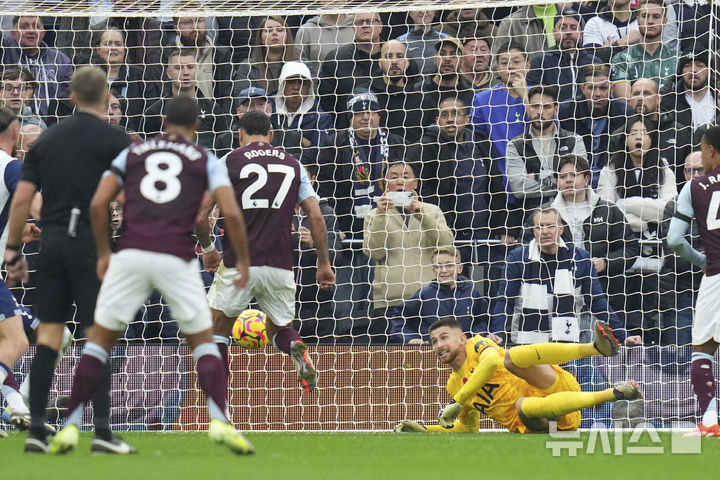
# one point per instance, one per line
(165, 180)
(268, 184)
(700, 198)
(522, 388)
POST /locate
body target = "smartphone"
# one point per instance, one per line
(401, 199)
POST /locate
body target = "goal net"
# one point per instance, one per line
(432, 132)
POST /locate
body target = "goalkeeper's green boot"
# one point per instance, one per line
(223, 432)
(604, 340)
(307, 375)
(627, 391)
(65, 440)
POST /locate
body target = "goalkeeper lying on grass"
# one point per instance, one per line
(523, 389)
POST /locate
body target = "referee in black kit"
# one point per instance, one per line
(65, 164)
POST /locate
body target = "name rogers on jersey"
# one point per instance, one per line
(190, 151)
(270, 152)
(711, 179)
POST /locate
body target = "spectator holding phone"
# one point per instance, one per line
(400, 236)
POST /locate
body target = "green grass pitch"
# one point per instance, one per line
(375, 456)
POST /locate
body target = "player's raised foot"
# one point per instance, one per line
(307, 375)
(703, 431)
(114, 445)
(604, 341)
(65, 440)
(225, 434)
(627, 391)
(35, 444)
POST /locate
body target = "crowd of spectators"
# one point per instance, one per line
(431, 129)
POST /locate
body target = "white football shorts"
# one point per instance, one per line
(132, 276)
(273, 288)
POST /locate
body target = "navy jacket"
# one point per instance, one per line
(561, 70)
(413, 318)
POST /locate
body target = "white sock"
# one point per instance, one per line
(13, 399)
(25, 385)
(710, 417)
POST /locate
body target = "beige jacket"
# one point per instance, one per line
(403, 252)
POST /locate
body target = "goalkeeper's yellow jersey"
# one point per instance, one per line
(496, 399)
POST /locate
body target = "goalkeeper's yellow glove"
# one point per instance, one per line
(409, 426)
(449, 414)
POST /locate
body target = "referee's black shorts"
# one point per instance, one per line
(67, 274)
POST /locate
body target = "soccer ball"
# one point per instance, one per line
(249, 330)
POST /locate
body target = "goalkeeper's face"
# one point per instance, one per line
(447, 343)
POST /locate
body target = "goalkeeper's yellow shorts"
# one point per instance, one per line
(564, 382)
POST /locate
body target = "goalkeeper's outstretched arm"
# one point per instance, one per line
(468, 422)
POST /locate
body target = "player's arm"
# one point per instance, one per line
(468, 421)
(211, 257)
(19, 211)
(679, 225)
(310, 206)
(490, 360)
(221, 188)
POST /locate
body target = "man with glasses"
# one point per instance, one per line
(214, 75)
(350, 67)
(450, 294)
(546, 287)
(13, 91)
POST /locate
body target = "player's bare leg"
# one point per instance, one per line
(537, 412)
(89, 376)
(703, 380)
(13, 343)
(212, 378)
(288, 340)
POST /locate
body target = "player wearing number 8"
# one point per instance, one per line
(700, 198)
(268, 183)
(165, 180)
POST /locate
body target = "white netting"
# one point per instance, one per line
(478, 188)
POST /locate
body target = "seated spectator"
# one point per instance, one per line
(272, 48)
(28, 134)
(256, 99)
(448, 82)
(350, 67)
(12, 95)
(612, 30)
(694, 19)
(352, 165)
(51, 68)
(499, 113)
(396, 93)
(650, 57)
(421, 40)
(594, 116)
(560, 66)
(453, 174)
(532, 158)
(400, 235)
(546, 288)
(636, 180)
(316, 310)
(450, 294)
(126, 81)
(214, 128)
(215, 66)
(322, 34)
(679, 279)
(468, 22)
(597, 226)
(529, 27)
(674, 139)
(690, 98)
(298, 108)
(476, 63)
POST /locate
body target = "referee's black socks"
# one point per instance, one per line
(41, 371)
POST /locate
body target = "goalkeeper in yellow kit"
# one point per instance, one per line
(522, 388)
